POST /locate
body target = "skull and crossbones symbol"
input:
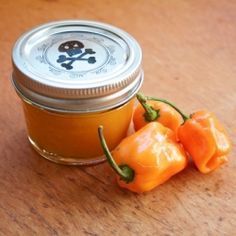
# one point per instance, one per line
(73, 48)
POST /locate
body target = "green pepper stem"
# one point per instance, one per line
(184, 116)
(150, 113)
(124, 171)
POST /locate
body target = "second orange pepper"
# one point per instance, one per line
(205, 139)
(152, 109)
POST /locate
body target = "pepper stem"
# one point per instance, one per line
(184, 116)
(124, 171)
(150, 113)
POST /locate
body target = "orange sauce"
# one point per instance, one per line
(74, 136)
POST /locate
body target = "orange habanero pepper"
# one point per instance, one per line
(145, 159)
(155, 109)
(205, 139)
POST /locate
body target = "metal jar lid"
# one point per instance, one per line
(77, 66)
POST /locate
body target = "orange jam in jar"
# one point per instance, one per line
(73, 76)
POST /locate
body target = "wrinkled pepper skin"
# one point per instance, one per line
(153, 154)
(204, 138)
(168, 116)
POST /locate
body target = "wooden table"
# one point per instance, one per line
(189, 57)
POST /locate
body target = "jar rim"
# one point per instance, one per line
(73, 111)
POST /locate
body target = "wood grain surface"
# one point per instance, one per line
(189, 57)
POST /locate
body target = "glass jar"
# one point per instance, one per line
(73, 76)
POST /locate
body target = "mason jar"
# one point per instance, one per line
(73, 76)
